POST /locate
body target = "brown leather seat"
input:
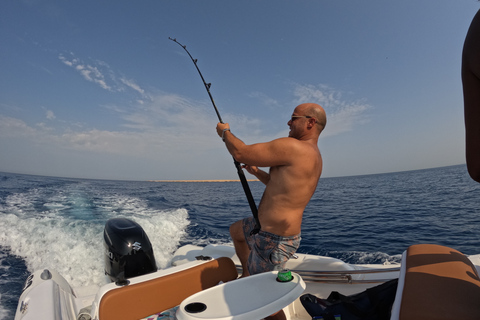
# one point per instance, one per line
(440, 283)
(140, 300)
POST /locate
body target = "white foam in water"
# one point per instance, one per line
(74, 247)
(3, 312)
(360, 257)
(164, 230)
(70, 248)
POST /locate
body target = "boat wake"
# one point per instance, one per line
(63, 230)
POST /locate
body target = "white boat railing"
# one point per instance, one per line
(345, 276)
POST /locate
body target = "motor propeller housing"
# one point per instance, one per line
(128, 251)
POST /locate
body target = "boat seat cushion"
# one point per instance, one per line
(140, 300)
(439, 283)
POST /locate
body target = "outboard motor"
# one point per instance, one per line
(128, 251)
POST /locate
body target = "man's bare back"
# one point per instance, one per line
(289, 190)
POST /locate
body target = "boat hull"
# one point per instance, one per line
(47, 295)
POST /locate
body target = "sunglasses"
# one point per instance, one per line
(294, 117)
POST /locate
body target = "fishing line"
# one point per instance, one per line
(240, 172)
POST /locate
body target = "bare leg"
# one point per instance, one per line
(280, 315)
(241, 246)
(243, 251)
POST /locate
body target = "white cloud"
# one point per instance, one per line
(161, 126)
(65, 61)
(133, 85)
(11, 127)
(50, 115)
(89, 72)
(264, 99)
(99, 72)
(342, 114)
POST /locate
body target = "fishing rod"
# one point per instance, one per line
(241, 174)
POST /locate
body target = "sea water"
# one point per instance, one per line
(58, 223)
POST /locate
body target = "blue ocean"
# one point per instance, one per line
(58, 222)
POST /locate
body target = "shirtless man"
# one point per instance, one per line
(471, 94)
(295, 168)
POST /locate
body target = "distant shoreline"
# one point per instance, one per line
(250, 180)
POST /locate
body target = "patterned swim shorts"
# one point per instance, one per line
(268, 252)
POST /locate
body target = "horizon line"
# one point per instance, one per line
(215, 180)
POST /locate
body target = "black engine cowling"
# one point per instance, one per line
(128, 251)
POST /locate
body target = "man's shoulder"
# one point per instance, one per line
(284, 139)
(289, 140)
(296, 147)
(286, 142)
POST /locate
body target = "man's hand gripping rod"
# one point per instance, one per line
(240, 172)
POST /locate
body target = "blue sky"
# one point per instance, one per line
(95, 89)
